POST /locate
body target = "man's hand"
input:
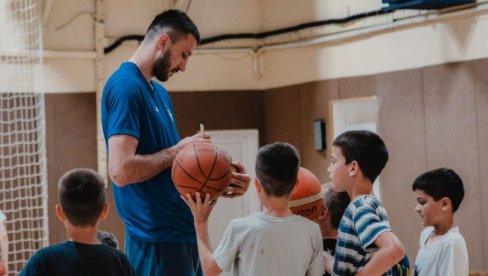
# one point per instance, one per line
(201, 211)
(198, 137)
(239, 182)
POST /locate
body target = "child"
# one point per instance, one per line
(3, 246)
(442, 248)
(366, 244)
(81, 209)
(334, 206)
(272, 242)
(108, 239)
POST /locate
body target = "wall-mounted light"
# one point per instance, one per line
(319, 134)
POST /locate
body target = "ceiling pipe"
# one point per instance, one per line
(480, 9)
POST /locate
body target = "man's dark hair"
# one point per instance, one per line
(175, 23)
(441, 183)
(82, 196)
(108, 239)
(277, 168)
(366, 148)
(336, 203)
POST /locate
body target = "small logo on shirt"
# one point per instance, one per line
(156, 109)
(170, 115)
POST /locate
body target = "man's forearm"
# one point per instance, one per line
(139, 167)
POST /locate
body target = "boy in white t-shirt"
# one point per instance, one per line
(442, 247)
(3, 246)
(271, 242)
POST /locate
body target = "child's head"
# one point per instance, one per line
(334, 206)
(437, 192)
(363, 147)
(108, 239)
(82, 196)
(277, 168)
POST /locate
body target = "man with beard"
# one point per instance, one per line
(142, 140)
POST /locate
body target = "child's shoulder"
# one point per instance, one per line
(454, 237)
(366, 201)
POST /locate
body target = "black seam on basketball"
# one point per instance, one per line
(189, 175)
(201, 170)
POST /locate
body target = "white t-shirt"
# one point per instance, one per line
(446, 256)
(265, 245)
(2, 217)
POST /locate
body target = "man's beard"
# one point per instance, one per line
(161, 67)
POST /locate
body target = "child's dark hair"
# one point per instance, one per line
(336, 203)
(366, 148)
(441, 183)
(108, 239)
(82, 196)
(175, 23)
(277, 168)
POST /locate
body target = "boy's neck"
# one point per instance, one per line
(330, 234)
(443, 227)
(86, 235)
(362, 186)
(277, 206)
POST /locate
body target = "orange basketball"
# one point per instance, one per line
(201, 167)
(306, 197)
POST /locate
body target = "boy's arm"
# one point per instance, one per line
(201, 212)
(390, 252)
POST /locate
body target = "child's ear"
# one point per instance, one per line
(257, 184)
(60, 213)
(324, 213)
(354, 168)
(445, 204)
(104, 213)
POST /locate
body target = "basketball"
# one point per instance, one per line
(201, 167)
(306, 197)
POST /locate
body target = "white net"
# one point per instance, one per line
(22, 130)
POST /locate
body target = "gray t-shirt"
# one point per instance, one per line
(265, 245)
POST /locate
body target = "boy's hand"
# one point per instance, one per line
(239, 182)
(201, 211)
(328, 262)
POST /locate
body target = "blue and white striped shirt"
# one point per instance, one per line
(363, 221)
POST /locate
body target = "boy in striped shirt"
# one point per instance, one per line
(366, 244)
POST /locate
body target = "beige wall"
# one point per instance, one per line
(430, 117)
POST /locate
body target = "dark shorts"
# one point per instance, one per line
(162, 259)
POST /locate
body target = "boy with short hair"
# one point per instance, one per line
(81, 208)
(366, 244)
(442, 247)
(108, 239)
(272, 242)
(334, 206)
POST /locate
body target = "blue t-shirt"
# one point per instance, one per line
(72, 258)
(152, 210)
(363, 221)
